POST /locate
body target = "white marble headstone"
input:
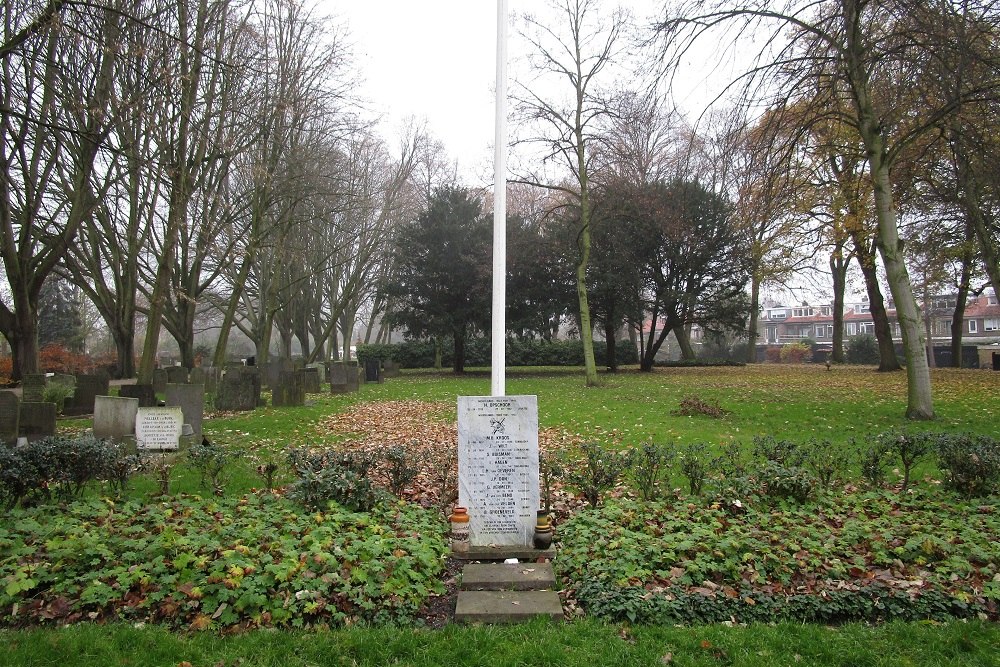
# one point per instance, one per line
(498, 468)
(158, 428)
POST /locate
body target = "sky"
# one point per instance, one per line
(436, 60)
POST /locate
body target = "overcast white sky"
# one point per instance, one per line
(436, 60)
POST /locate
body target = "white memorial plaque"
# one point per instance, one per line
(498, 468)
(158, 428)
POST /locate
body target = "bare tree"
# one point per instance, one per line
(57, 86)
(866, 56)
(562, 104)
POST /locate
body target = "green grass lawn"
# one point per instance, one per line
(627, 409)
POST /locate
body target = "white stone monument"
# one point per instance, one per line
(158, 429)
(498, 468)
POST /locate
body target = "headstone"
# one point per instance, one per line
(239, 390)
(273, 369)
(198, 375)
(88, 387)
(145, 393)
(37, 420)
(373, 370)
(176, 375)
(310, 380)
(339, 377)
(320, 371)
(33, 387)
(190, 398)
(158, 429)
(289, 390)
(10, 417)
(160, 380)
(355, 377)
(390, 369)
(114, 417)
(498, 468)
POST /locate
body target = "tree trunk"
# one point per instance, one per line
(919, 399)
(751, 356)
(876, 304)
(958, 317)
(972, 204)
(458, 363)
(838, 269)
(684, 342)
(928, 334)
(610, 346)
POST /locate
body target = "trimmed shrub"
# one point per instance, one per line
(862, 349)
(420, 354)
(971, 464)
(796, 353)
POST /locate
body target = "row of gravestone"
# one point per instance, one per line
(37, 419)
(84, 389)
(237, 389)
(208, 376)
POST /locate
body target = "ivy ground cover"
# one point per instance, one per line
(871, 556)
(240, 562)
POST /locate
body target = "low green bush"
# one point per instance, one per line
(971, 464)
(326, 476)
(862, 349)
(60, 467)
(597, 471)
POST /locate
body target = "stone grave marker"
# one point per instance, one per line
(239, 390)
(145, 393)
(10, 417)
(339, 377)
(37, 420)
(160, 380)
(498, 468)
(373, 370)
(158, 429)
(289, 390)
(176, 375)
(198, 375)
(33, 387)
(310, 380)
(320, 371)
(190, 398)
(88, 387)
(390, 369)
(114, 417)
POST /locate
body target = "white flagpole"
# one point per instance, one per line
(499, 337)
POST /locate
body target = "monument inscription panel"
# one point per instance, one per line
(158, 428)
(498, 468)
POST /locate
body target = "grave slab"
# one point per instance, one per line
(501, 553)
(506, 606)
(114, 417)
(508, 577)
(190, 398)
(10, 417)
(37, 420)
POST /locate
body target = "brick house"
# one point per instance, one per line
(781, 324)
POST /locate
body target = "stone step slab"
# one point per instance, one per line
(508, 577)
(503, 553)
(506, 606)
